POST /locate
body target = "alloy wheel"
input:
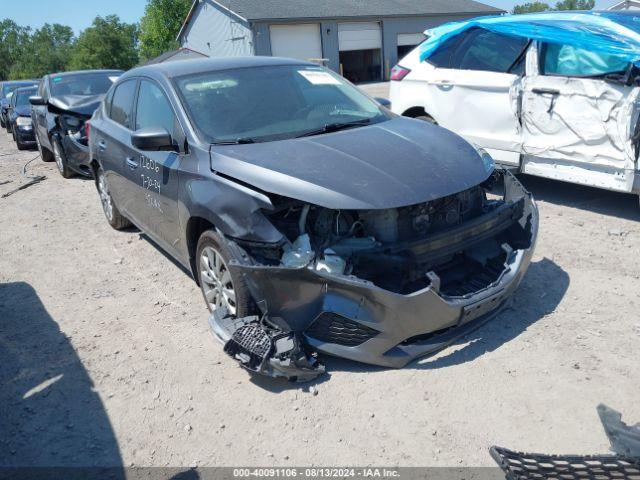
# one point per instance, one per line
(57, 154)
(216, 282)
(105, 197)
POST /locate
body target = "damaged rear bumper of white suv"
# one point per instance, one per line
(459, 277)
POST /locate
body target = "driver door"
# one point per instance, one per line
(577, 125)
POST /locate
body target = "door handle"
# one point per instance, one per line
(133, 164)
(548, 91)
(102, 145)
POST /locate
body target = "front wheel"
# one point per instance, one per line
(45, 154)
(114, 217)
(61, 159)
(221, 288)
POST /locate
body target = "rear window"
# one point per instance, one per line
(570, 61)
(82, 84)
(122, 103)
(22, 97)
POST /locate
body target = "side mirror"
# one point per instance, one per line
(385, 102)
(152, 139)
(37, 101)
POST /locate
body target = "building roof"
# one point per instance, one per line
(262, 10)
(179, 54)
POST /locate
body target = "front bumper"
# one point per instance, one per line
(25, 135)
(352, 318)
(77, 154)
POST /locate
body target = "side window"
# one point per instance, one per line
(441, 57)
(569, 61)
(41, 88)
(488, 51)
(122, 103)
(154, 109)
(107, 102)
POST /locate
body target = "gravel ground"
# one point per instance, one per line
(106, 357)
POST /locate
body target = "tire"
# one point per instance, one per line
(111, 212)
(61, 159)
(221, 287)
(45, 154)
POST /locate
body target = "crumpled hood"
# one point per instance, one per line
(83, 105)
(391, 164)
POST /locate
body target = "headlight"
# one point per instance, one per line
(487, 160)
(23, 121)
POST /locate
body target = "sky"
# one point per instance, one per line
(79, 14)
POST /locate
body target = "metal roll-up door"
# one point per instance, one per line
(301, 41)
(359, 36)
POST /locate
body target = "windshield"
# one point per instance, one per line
(83, 84)
(22, 97)
(272, 103)
(9, 88)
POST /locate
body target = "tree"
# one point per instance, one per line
(575, 5)
(531, 7)
(12, 40)
(160, 26)
(107, 43)
(47, 50)
(561, 5)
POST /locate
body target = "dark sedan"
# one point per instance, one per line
(6, 89)
(19, 118)
(65, 101)
(312, 218)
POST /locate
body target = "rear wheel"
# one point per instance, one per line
(220, 287)
(45, 154)
(114, 217)
(61, 159)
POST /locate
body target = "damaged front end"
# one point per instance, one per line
(382, 287)
(72, 127)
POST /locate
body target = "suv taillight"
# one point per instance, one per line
(398, 73)
(87, 128)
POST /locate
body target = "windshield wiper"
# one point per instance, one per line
(236, 141)
(335, 127)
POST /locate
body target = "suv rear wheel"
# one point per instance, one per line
(114, 217)
(220, 287)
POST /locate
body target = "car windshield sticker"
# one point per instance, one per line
(318, 77)
(57, 79)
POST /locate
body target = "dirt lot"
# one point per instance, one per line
(106, 357)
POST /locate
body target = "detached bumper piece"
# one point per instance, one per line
(534, 466)
(262, 347)
(625, 464)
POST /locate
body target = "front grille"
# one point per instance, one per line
(333, 328)
(521, 466)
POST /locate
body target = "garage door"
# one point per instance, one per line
(359, 36)
(296, 41)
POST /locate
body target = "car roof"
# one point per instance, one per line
(82, 72)
(23, 89)
(202, 65)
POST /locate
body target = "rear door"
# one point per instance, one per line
(156, 175)
(577, 123)
(115, 152)
(472, 90)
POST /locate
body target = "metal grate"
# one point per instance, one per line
(534, 466)
(330, 327)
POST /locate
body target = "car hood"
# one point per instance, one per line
(22, 111)
(83, 105)
(390, 164)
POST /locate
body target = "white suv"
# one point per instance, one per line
(550, 110)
